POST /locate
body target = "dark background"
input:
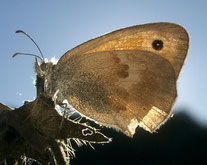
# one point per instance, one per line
(180, 141)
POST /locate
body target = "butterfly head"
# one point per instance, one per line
(43, 68)
(44, 72)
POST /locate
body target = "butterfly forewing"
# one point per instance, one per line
(141, 37)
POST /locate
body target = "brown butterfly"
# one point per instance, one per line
(122, 79)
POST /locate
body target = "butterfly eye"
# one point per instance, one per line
(43, 66)
(157, 44)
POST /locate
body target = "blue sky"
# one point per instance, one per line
(58, 26)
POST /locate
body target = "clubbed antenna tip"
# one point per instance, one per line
(20, 31)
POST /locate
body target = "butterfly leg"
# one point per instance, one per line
(63, 105)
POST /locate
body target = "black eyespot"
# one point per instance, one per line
(157, 44)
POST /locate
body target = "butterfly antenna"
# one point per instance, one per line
(42, 57)
(27, 54)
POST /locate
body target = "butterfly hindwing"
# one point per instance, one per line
(120, 89)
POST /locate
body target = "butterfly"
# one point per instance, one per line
(123, 79)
